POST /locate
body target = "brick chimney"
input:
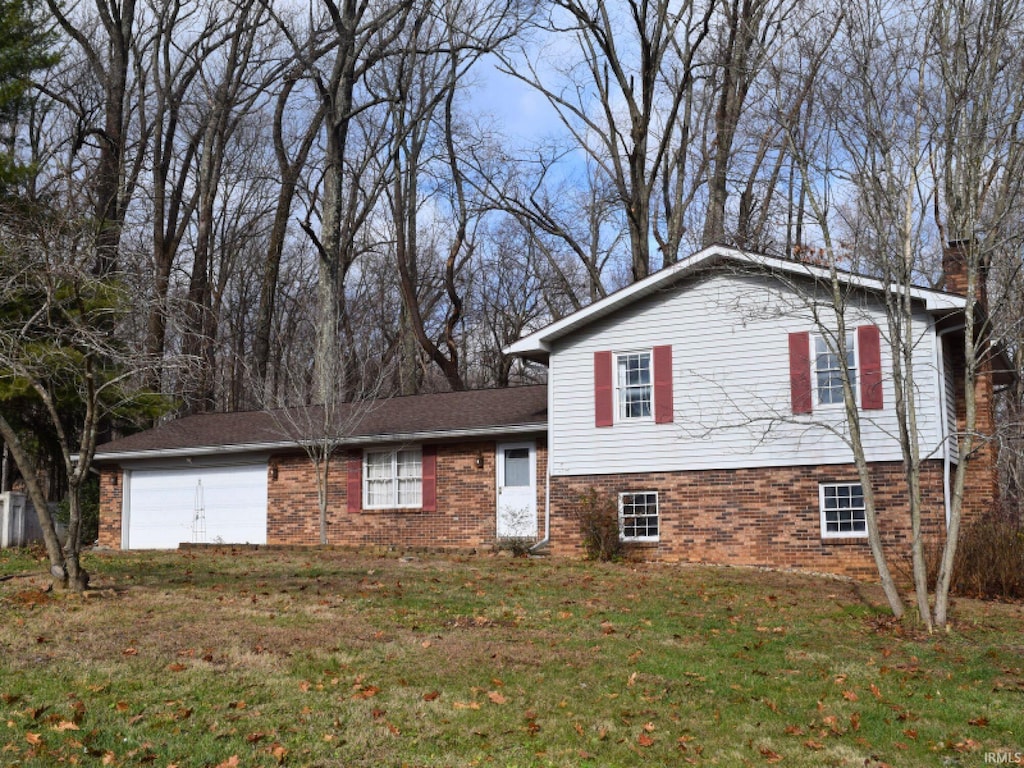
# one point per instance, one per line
(954, 271)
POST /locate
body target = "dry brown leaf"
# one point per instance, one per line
(66, 725)
(644, 740)
(34, 739)
(433, 695)
(496, 698)
(770, 755)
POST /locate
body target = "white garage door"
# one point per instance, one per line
(204, 505)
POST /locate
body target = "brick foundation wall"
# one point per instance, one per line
(757, 517)
(465, 518)
(111, 485)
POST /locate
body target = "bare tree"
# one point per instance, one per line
(110, 57)
(444, 40)
(650, 73)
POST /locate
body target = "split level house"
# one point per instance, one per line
(704, 404)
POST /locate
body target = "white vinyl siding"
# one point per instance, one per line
(949, 392)
(729, 335)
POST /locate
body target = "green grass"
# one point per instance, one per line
(329, 658)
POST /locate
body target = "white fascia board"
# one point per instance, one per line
(539, 342)
(354, 440)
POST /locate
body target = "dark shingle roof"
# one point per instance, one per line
(449, 414)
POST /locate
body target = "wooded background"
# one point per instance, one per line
(258, 203)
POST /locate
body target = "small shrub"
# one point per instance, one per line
(90, 511)
(598, 517)
(518, 546)
(990, 558)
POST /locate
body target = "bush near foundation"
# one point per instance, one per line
(990, 558)
(598, 517)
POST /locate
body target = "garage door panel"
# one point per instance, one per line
(162, 506)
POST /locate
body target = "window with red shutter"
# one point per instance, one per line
(429, 474)
(800, 372)
(870, 352)
(664, 408)
(354, 487)
(604, 408)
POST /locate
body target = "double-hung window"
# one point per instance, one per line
(633, 385)
(842, 510)
(828, 370)
(393, 479)
(638, 516)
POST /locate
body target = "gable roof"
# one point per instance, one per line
(448, 415)
(537, 345)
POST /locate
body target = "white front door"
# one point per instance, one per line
(517, 490)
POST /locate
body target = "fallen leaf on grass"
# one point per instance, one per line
(850, 696)
(466, 705)
(176, 667)
(644, 740)
(366, 693)
(770, 755)
(981, 722)
(231, 762)
(432, 696)
(66, 725)
(812, 744)
(967, 745)
(496, 698)
(34, 739)
(108, 758)
(794, 730)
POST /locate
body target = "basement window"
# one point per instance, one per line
(842, 510)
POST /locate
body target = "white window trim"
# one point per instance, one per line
(618, 389)
(825, 533)
(814, 370)
(393, 477)
(657, 509)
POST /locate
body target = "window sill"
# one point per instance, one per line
(840, 541)
(391, 510)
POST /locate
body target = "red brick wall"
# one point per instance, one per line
(466, 505)
(981, 484)
(765, 516)
(111, 484)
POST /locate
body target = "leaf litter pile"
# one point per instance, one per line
(236, 657)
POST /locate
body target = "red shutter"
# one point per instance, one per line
(664, 409)
(604, 407)
(870, 352)
(429, 470)
(355, 483)
(800, 372)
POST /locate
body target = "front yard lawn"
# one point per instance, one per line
(238, 657)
